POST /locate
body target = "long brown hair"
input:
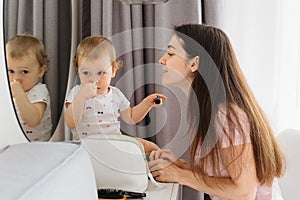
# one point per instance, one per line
(216, 50)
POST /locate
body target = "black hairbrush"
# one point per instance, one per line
(134, 195)
(118, 194)
(110, 194)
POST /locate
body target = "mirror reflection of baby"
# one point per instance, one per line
(27, 63)
(94, 106)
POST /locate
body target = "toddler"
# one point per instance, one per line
(94, 106)
(27, 63)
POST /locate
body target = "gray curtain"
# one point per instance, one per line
(130, 27)
(50, 21)
(213, 12)
(116, 20)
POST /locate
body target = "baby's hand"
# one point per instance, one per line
(16, 88)
(88, 90)
(155, 100)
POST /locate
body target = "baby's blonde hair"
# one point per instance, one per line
(95, 47)
(22, 45)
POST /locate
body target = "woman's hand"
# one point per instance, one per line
(167, 154)
(164, 171)
(165, 166)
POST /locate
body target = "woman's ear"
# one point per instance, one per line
(42, 71)
(194, 64)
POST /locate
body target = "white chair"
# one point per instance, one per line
(119, 162)
(290, 142)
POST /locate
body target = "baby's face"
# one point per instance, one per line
(25, 70)
(97, 71)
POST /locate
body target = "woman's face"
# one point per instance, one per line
(176, 70)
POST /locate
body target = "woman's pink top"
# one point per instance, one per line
(263, 192)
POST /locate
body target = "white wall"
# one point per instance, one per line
(265, 35)
(10, 132)
(289, 71)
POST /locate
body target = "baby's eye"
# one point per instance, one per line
(100, 73)
(86, 73)
(24, 71)
(10, 71)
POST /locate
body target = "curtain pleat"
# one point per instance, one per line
(10, 9)
(51, 40)
(86, 18)
(38, 16)
(213, 12)
(25, 9)
(95, 12)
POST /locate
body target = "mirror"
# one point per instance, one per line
(50, 22)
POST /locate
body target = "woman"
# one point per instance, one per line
(234, 152)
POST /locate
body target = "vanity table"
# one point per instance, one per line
(46, 170)
(170, 192)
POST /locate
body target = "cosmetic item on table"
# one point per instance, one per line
(157, 100)
(118, 194)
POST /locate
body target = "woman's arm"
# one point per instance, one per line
(167, 154)
(241, 184)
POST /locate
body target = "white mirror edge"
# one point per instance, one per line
(11, 132)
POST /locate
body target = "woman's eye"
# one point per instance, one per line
(101, 73)
(170, 53)
(24, 71)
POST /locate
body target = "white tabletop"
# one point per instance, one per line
(169, 191)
